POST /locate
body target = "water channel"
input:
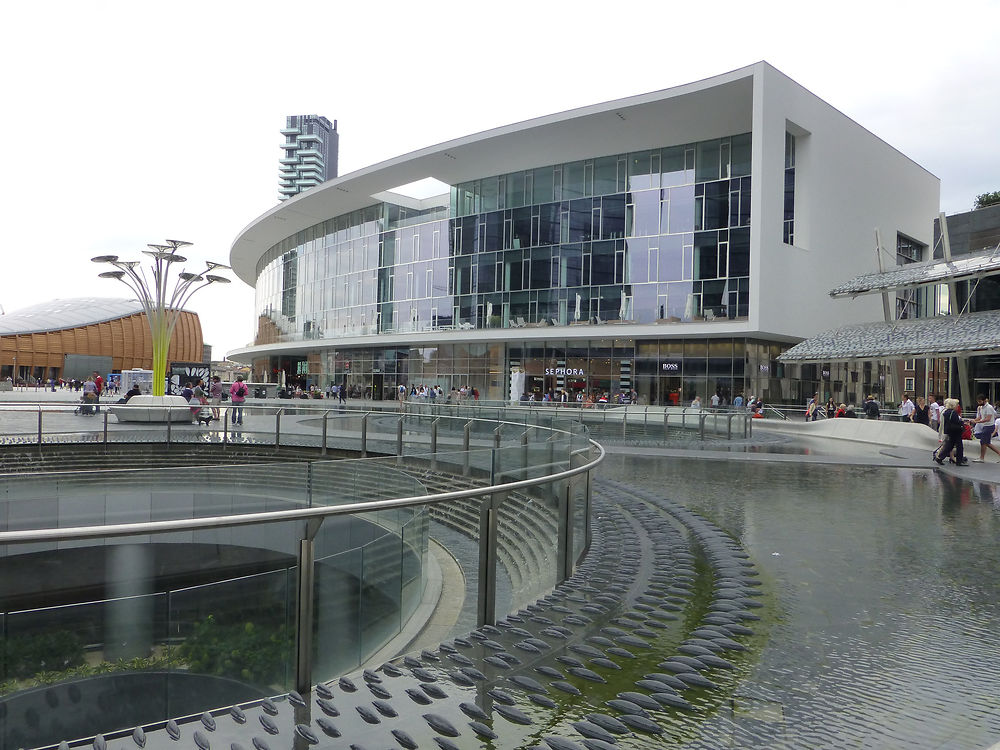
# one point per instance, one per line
(886, 623)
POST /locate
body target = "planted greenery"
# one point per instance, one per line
(240, 650)
(25, 655)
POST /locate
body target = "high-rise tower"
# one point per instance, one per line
(309, 153)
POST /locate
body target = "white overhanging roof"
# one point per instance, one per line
(964, 267)
(60, 314)
(712, 108)
(946, 335)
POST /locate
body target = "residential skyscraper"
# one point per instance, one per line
(309, 153)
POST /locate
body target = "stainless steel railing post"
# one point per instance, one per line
(666, 419)
(364, 435)
(465, 447)
(326, 417)
(105, 432)
(39, 426)
(565, 535)
(486, 603)
(399, 438)
(701, 427)
(304, 613)
(225, 428)
(434, 443)
(277, 429)
(524, 453)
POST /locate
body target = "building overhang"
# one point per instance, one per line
(711, 108)
(422, 339)
(947, 335)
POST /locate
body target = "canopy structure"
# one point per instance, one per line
(942, 336)
(938, 271)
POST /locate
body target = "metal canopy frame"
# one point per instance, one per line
(926, 273)
(942, 336)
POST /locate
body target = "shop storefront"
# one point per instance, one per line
(663, 372)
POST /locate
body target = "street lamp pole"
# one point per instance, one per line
(163, 306)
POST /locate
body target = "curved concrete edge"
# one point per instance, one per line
(876, 431)
(437, 612)
(145, 408)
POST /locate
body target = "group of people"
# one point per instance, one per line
(200, 396)
(956, 429)
(436, 394)
(753, 405)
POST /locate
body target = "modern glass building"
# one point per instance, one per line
(671, 243)
(308, 153)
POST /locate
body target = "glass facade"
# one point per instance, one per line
(656, 236)
(660, 372)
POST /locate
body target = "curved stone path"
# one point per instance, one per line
(643, 640)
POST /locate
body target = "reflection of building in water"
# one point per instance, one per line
(674, 243)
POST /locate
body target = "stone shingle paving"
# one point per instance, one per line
(514, 685)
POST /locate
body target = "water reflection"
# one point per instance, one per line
(888, 583)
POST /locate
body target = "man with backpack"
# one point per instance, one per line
(871, 408)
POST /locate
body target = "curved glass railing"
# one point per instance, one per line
(197, 586)
(304, 421)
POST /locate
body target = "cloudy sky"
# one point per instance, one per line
(125, 123)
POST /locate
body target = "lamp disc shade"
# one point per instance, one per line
(188, 276)
(111, 275)
(216, 279)
(105, 259)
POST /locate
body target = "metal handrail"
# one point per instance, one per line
(247, 519)
(313, 517)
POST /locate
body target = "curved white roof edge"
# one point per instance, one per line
(61, 314)
(485, 336)
(709, 108)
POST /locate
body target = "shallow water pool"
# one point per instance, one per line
(888, 615)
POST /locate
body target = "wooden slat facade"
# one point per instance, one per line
(126, 340)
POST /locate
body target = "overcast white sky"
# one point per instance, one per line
(125, 123)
